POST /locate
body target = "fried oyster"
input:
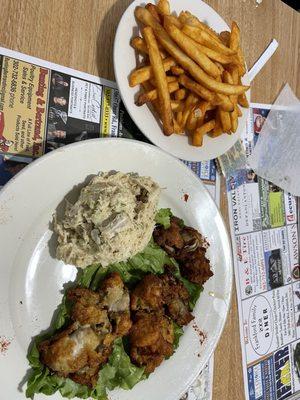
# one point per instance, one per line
(98, 318)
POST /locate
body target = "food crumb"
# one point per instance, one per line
(4, 344)
(186, 197)
(202, 335)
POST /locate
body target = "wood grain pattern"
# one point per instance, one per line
(80, 33)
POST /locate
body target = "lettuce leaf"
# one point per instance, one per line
(151, 260)
(163, 217)
(178, 332)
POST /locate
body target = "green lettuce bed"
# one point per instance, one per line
(119, 371)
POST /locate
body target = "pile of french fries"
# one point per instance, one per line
(190, 75)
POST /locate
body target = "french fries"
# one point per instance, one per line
(194, 77)
(161, 81)
(185, 61)
(201, 131)
(191, 49)
(207, 40)
(142, 74)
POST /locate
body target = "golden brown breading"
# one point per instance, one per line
(176, 298)
(148, 294)
(151, 339)
(71, 350)
(87, 308)
(114, 293)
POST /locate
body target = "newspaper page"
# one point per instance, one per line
(266, 248)
(44, 106)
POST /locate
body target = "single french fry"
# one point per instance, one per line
(177, 128)
(216, 56)
(203, 106)
(217, 130)
(201, 131)
(177, 70)
(177, 105)
(239, 111)
(205, 39)
(186, 62)
(241, 64)
(153, 10)
(234, 40)
(225, 120)
(153, 94)
(220, 66)
(163, 7)
(144, 73)
(228, 79)
(243, 101)
(180, 94)
(173, 20)
(190, 101)
(185, 17)
(234, 119)
(179, 119)
(225, 37)
(161, 81)
(191, 123)
(223, 101)
(139, 44)
(195, 87)
(169, 80)
(191, 49)
(147, 87)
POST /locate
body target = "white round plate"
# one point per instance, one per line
(31, 279)
(125, 62)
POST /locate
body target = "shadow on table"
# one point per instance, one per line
(105, 42)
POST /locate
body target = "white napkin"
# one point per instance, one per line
(276, 156)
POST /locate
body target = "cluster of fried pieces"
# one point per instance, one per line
(146, 314)
(191, 75)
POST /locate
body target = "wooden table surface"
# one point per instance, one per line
(80, 34)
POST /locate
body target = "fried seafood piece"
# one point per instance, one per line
(87, 307)
(176, 298)
(115, 297)
(98, 319)
(148, 294)
(151, 340)
(170, 239)
(73, 351)
(165, 293)
(195, 266)
(187, 246)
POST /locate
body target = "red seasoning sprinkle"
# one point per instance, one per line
(186, 197)
(202, 335)
(4, 344)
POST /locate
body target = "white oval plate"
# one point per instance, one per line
(125, 62)
(31, 280)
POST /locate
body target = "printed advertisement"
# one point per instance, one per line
(264, 231)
